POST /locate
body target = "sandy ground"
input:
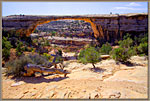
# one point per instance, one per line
(108, 80)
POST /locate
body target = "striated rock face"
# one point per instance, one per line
(105, 27)
(69, 42)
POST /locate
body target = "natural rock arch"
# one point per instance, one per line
(97, 33)
(106, 27)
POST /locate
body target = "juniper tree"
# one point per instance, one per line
(89, 55)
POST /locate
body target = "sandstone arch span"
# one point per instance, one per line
(97, 33)
(108, 27)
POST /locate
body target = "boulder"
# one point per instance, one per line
(17, 84)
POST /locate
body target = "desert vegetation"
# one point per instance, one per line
(89, 55)
(6, 46)
(15, 67)
(19, 51)
(128, 46)
(125, 50)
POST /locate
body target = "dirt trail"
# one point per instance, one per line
(108, 80)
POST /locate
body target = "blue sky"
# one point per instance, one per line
(72, 8)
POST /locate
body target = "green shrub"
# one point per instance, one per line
(6, 46)
(126, 43)
(14, 36)
(125, 50)
(144, 39)
(5, 53)
(38, 59)
(143, 48)
(53, 33)
(122, 54)
(35, 42)
(89, 55)
(25, 48)
(106, 48)
(32, 50)
(19, 48)
(47, 56)
(142, 44)
(46, 43)
(126, 36)
(59, 59)
(81, 54)
(16, 66)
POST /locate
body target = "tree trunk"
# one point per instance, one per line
(55, 66)
(93, 65)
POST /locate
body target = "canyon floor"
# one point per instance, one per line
(107, 80)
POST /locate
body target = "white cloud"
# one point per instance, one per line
(127, 8)
(124, 8)
(133, 4)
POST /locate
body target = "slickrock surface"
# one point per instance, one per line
(108, 80)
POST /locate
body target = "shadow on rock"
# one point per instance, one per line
(99, 70)
(67, 58)
(41, 79)
(130, 64)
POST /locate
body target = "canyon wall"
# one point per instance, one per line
(110, 27)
